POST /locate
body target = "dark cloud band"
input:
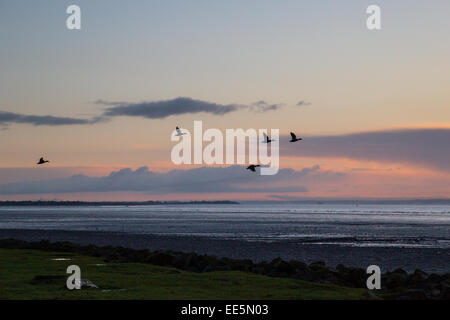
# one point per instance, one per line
(147, 109)
(417, 147)
(7, 118)
(199, 180)
(178, 106)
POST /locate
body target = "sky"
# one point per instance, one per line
(373, 107)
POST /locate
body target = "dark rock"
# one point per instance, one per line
(418, 278)
(317, 264)
(400, 271)
(160, 259)
(297, 265)
(352, 277)
(283, 267)
(394, 280)
(434, 278)
(341, 268)
(445, 290)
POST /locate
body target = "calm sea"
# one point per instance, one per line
(374, 225)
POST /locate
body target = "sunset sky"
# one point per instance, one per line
(101, 103)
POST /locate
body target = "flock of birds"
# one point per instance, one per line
(179, 133)
(267, 139)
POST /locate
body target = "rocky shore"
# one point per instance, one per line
(397, 284)
(430, 260)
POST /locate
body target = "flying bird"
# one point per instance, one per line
(42, 161)
(252, 167)
(267, 138)
(179, 132)
(294, 138)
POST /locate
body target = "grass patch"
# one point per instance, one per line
(34, 274)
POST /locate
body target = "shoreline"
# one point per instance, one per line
(40, 274)
(396, 285)
(430, 260)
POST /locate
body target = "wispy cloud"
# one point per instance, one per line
(182, 105)
(148, 109)
(263, 106)
(303, 103)
(159, 109)
(165, 108)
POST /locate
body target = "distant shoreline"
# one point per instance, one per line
(306, 201)
(108, 203)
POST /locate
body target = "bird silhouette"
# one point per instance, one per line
(252, 167)
(179, 132)
(42, 161)
(267, 138)
(294, 138)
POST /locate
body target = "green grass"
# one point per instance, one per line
(142, 281)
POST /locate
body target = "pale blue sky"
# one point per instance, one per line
(223, 52)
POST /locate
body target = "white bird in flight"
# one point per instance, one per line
(179, 132)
